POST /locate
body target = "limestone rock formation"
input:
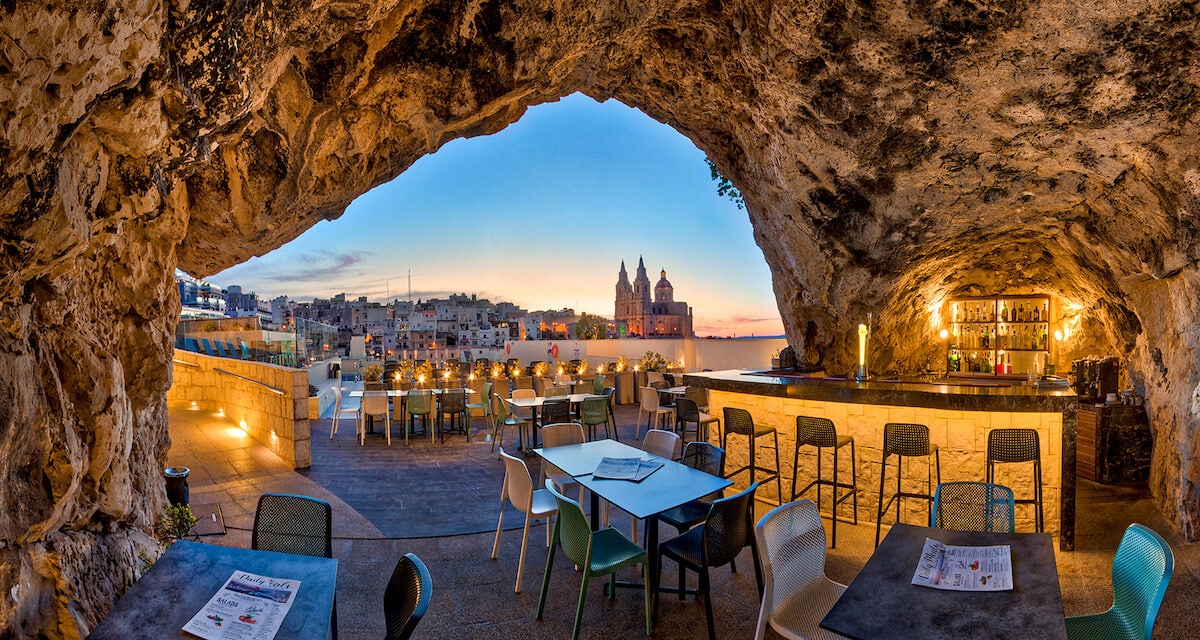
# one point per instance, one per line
(891, 154)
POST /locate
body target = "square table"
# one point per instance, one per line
(669, 486)
(184, 578)
(881, 602)
(536, 402)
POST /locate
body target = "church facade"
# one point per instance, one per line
(637, 315)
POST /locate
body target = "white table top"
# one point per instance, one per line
(538, 401)
(400, 393)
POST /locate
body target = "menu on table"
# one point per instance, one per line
(635, 469)
(247, 607)
(961, 568)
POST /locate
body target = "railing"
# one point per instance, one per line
(275, 390)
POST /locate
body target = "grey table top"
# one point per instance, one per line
(183, 579)
(581, 459)
(882, 602)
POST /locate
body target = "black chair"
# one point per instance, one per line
(904, 439)
(727, 530)
(295, 524)
(610, 393)
(555, 410)
(1018, 445)
(406, 597)
(706, 457)
(821, 433)
(453, 404)
(686, 412)
(740, 422)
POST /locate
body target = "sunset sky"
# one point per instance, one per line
(540, 214)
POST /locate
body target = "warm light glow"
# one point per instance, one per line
(600, 369)
(1058, 335)
(560, 371)
(221, 412)
(471, 377)
(635, 367)
(944, 334)
(234, 432)
(195, 406)
(397, 377)
(421, 379)
(862, 345)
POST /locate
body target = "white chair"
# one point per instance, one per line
(791, 553)
(518, 490)
(654, 376)
(650, 405)
(345, 406)
(564, 379)
(375, 403)
(523, 394)
(664, 444)
(557, 435)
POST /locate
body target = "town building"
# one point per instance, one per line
(637, 315)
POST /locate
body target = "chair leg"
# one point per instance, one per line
(579, 609)
(708, 615)
(646, 591)
(521, 562)
(499, 528)
(778, 482)
(546, 581)
(879, 510)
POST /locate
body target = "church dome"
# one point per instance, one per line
(662, 281)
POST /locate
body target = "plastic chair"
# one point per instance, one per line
(727, 530)
(375, 403)
(484, 405)
(1018, 445)
(345, 406)
(598, 384)
(592, 412)
(419, 404)
(699, 395)
(454, 404)
(797, 594)
(555, 410)
(504, 421)
(664, 444)
(902, 439)
(650, 405)
(686, 411)
(973, 506)
(406, 597)
(557, 435)
(706, 457)
(1141, 571)
(523, 394)
(653, 377)
(740, 422)
(610, 395)
(518, 490)
(557, 392)
(596, 553)
(820, 433)
(293, 524)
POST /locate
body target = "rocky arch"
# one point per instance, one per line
(890, 154)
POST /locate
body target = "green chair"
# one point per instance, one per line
(593, 412)
(419, 403)
(1141, 571)
(484, 405)
(596, 553)
(973, 506)
(598, 385)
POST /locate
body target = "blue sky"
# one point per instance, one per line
(540, 214)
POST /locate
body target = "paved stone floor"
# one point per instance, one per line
(452, 491)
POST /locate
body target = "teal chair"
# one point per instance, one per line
(1141, 571)
(596, 553)
(973, 506)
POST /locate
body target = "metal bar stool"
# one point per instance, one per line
(739, 421)
(911, 440)
(820, 433)
(1018, 445)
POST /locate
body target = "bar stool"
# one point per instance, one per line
(739, 421)
(820, 433)
(911, 440)
(1018, 445)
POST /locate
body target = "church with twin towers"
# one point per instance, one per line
(637, 315)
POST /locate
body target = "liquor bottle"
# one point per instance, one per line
(1037, 313)
(987, 363)
(1045, 311)
(1003, 311)
(986, 339)
(1021, 312)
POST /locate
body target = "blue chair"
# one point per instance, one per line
(207, 347)
(220, 346)
(973, 506)
(191, 345)
(1141, 571)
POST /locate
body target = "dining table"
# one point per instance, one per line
(402, 393)
(883, 603)
(534, 403)
(671, 485)
(183, 579)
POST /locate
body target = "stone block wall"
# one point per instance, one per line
(268, 401)
(961, 437)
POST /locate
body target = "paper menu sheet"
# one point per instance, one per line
(246, 607)
(958, 568)
(635, 469)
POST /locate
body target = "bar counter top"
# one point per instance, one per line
(955, 394)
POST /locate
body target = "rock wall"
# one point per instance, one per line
(891, 154)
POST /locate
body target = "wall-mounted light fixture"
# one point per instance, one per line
(862, 353)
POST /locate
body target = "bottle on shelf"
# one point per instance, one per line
(1037, 313)
(1003, 311)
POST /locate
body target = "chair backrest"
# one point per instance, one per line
(373, 385)
(374, 403)
(485, 396)
(556, 410)
(729, 527)
(571, 528)
(658, 384)
(562, 433)
(419, 401)
(817, 432)
(669, 378)
(664, 444)
(699, 395)
(555, 392)
(563, 378)
(686, 409)
(523, 394)
(653, 376)
(504, 412)
(594, 410)
(706, 457)
(738, 421)
(905, 439)
(649, 399)
(1012, 445)
(344, 401)
(293, 524)
(518, 484)
(791, 548)
(454, 401)
(973, 506)
(598, 384)
(1141, 571)
(406, 597)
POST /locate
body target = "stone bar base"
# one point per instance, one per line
(959, 418)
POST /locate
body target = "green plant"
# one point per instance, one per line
(652, 361)
(541, 369)
(724, 186)
(174, 524)
(406, 369)
(373, 372)
(514, 368)
(423, 371)
(582, 368)
(481, 368)
(621, 365)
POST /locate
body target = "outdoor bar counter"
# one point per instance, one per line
(959, 414)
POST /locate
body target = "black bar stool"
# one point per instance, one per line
(912, 440)
(820, 433)
(1018, 445)
(739, 421)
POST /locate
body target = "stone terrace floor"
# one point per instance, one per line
(440, 502)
